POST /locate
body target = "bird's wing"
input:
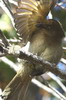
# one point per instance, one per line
(28, 14)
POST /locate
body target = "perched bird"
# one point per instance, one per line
(45, 36)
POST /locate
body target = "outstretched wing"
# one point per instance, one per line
(28, 14)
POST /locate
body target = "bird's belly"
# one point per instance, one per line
(45, 48)
(52, 54)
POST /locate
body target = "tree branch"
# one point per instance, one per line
(49, 89)
(4, 39)
(7, 10)
(46, 66)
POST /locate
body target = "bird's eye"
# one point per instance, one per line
(40, 25)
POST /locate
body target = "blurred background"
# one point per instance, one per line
(7, 72)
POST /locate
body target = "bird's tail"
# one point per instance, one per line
(16, 89)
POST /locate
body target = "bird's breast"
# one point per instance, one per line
(37, 43)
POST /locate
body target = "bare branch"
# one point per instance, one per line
(4, 40)
(10, 63)
(63, 61)
(56, 79)
(10, 41)
(13, 2)
(60, 5)
(7, 7)
(46, 66)
(49, 89)
(7, 10)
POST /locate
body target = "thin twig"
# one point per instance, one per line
(8, 3)
(4, 39)
(7, 10)
(49, 89)
(7, 7)
(56, 79)
(60, 94)
(10, 63)
(13, 2)
(63, 61)
(10, 41)
(60, 5)
(45, 82)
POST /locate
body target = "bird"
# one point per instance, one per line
(45, 37)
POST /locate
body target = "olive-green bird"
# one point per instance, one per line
(45, 36)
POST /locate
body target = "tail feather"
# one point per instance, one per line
(16, 89)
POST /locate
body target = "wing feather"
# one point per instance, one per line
(28, 14)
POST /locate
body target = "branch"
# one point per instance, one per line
(57, 80)
(4, 39)
(7, 7)
(60, 5)
(49, 89)
(10, 41)
(7, 10)
(46, 66)
(13, 2)
(63, 61)
(11, 64)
